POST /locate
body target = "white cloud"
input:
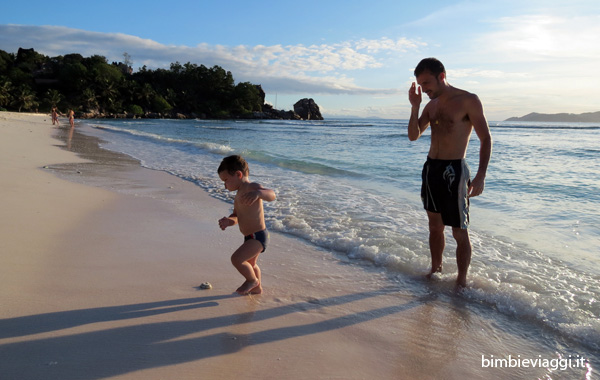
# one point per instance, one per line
(286, 69)
(387, 44)
(478, 73)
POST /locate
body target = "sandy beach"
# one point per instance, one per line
(100, 279)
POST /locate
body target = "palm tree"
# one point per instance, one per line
(108, 94)
(171, 97)
(53, 97)
(6, 89)
(129, 91)
(88, 98)
(24, 98)
(146, 95)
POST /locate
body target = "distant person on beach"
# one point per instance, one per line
(452, 114)
(72, 118)
(55, 116)
(249, 215)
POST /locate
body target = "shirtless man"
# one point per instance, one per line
(452, 114)
(249, 215)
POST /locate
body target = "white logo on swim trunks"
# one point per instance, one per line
(449, 176)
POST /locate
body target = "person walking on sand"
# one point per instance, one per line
(248, 213)
(55, 117)
(452, 114)
(72, 118)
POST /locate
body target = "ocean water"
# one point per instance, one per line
(353, 187)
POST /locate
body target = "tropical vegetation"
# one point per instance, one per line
(30, 81)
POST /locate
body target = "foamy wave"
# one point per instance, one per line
(530, 286)
(517, 282)
(134, 132)
(208, 146)
(215, 148)
(218, 128)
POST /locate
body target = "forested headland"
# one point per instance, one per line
(93, 87)
(587, 117)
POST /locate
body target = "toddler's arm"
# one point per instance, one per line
(228, 221)
(258, 192)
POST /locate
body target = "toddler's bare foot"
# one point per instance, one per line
(257, 290)
(247, 287)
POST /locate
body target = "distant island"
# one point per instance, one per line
(588, 117)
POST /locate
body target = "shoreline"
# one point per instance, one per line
(100, 280)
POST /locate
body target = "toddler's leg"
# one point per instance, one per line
(258, 289)
(244, 260)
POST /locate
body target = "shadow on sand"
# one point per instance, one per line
(121, 350)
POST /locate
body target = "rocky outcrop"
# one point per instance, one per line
(304, 109)
(307, 109)
(268, 112)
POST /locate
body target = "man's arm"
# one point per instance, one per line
(416, 125)
(482, 129)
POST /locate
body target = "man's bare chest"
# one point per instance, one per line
(449, 120)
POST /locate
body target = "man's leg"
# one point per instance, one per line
(463, 254)
(437, 241)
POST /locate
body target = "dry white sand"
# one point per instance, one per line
(98, 284)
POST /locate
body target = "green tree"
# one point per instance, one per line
(159, 104)
(146, 95)
(6, 61)
(53, 97)
(128, 92)
(171, 97)
(73, 78)
(135, 109)
(108, 98)
(102, 71)
(24, 98)
(89, 100)
(94, 84)
(246, 99)
(29, 60)
(6, 90)
(18, 77)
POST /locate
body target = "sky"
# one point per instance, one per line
(354, 58)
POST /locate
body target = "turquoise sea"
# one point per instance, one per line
(352, 187)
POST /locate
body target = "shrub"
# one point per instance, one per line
(135, 109)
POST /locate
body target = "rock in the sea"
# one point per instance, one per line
(308, 109)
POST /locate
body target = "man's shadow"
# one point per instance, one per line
(35, 324)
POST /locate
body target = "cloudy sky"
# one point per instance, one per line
(355, 58)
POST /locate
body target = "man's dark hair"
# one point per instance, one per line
(232, 164)
(433, 65)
